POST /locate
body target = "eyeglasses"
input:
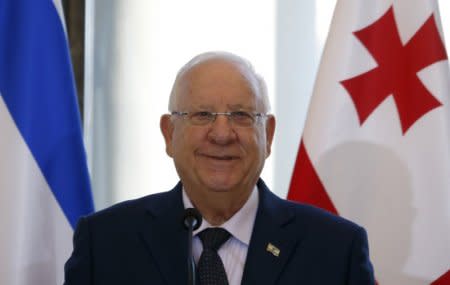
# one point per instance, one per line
(237, 118)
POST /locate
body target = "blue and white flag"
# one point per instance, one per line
(44, 182)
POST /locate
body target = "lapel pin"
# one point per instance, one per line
(273, 249)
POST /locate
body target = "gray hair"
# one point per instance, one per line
(257, 81)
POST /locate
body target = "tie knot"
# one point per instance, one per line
(213, 238)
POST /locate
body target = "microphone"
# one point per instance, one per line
(192, 219)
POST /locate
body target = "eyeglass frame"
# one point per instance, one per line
(213, 115)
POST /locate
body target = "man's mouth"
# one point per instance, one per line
(221, 157)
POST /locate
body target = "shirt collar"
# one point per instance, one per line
(240, 225)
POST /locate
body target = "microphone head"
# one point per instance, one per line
(192, 218)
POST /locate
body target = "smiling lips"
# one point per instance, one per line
(220, 157)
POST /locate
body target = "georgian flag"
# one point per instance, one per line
(376, 144)
(44, 184)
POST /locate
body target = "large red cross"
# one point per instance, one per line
(396, 73)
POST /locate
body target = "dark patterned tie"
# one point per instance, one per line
(210, 266)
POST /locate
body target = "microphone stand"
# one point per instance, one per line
(191, 221)
(192, 278)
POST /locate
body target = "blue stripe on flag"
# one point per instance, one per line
(37, 85)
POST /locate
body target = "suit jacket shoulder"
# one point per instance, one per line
(295, 243)
(131, 243)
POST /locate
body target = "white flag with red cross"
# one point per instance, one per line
(376, 144)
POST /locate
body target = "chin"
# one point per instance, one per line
(219, 185)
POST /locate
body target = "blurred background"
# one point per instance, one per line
(126, 55)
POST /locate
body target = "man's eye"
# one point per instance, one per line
(241, 115)
(201, 115)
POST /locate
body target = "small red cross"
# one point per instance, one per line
(396, 73)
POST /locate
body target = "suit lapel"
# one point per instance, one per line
(274, 239)
(165, 237)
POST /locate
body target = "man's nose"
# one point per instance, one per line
(222, 131)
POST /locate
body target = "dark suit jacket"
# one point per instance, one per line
(143, 242)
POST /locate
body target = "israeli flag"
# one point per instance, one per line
(44, 182)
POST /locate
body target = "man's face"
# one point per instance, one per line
(219, 156)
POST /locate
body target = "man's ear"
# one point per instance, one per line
(270, 131)
(166, 126)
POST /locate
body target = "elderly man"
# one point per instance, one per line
(219, 133)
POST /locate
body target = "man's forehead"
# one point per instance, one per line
(233, 80)
(217, 72)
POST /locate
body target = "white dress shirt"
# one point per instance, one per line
(234, 251)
